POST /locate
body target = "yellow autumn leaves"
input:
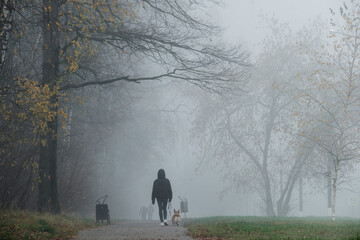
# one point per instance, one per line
(80, 48)
(37, 106)
(88, 17)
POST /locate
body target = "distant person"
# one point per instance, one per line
(163, 193)
(143, 212)
(150, 211)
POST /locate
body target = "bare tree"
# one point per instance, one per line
(335, 95)
(255, 136)
(75, 36)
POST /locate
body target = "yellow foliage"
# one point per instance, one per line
(37, 104)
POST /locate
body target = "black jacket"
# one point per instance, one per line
(161, 187)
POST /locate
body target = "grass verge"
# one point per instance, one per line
(273, 228)
(41, 226)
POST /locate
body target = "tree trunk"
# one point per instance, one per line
(283, 204)
(48, 194)
(6, 24)
(268, 199)
(301, 202)
(334, 185)
(329, 188)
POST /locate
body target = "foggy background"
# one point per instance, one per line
(164, 114)
(244, 117)
(202, 186)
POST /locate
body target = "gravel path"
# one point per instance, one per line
(148, 230)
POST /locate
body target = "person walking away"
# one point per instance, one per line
(150, 211)
(162, 193)
(143, 212)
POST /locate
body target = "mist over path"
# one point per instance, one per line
(135, 230)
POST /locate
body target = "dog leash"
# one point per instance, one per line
(169, 208)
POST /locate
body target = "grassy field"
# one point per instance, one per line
(32, 225)
(273, 228)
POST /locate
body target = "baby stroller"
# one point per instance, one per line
(102, 210)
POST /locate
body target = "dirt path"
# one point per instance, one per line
(135, 230)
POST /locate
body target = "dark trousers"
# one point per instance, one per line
(162, 208)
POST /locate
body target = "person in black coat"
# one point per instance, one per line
(163, 193)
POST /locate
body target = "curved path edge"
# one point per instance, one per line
(130, 229)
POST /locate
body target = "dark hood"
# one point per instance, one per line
(161, 173)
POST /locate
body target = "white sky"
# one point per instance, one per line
(243, 24)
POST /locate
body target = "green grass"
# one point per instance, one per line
(273, 228)
(36, 226)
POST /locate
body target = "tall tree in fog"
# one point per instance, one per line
(7, 8)
(336, 95)
(72, 34)
(17, 138)
(254, 136)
